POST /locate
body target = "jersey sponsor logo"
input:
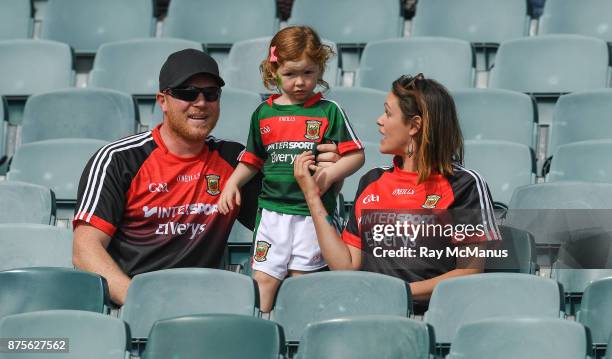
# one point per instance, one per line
(265, 129)
(403, 191)
(286, 118)
(431, 201)
(169, 212)
(370, 199)
(313, 129)
(290, 146)
(261, 251)
(175, 228)
(212, 184)
(188, 178)
(158, 187)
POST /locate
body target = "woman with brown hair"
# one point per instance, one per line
(420, 129)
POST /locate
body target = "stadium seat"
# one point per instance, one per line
(239, 245)
(221, 336)
(89, 335)
(522, 255)
(220, 24)
(551, 65)
(373, 159)
(44, 288)
(133, 66)
(557, 212)
(79, 113)
(34, 245)
(237, 107)
(581, 116)
(574, 282)
(457, 301)
(3, 131)
(87, 24)
(484, 23)
(527, 338)
(595, 311)
(242, 67)
(16, 19)
(586, 161)
(175, 292)
(363, 107)
(26, 203)
(505, 166)
(328, 295)
(348, 28)
(365, 337)
(494, 114)
(384, 61)
(587, 17)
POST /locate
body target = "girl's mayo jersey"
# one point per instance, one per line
(160, 210)
(464, 195)
(279, 133)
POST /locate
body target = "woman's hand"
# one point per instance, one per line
(301, 171)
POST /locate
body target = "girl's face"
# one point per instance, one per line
(396, 131)
(298, 79)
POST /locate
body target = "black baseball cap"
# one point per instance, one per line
(181, 65)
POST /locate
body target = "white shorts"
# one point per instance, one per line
(286, 242)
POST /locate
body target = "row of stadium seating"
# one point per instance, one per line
(97, 336)
(220, 23)
(317, 297)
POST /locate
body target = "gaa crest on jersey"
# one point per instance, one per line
(212, 184)
(261, 251)
(431, 201)
(313, 129)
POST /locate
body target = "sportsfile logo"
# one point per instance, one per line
(175, 228)
(169, 212)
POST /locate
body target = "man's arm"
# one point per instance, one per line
(89, 254)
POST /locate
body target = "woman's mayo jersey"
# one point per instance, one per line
(159, 209)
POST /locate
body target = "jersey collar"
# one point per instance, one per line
(311, 101)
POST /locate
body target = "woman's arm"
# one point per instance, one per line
(337, 254)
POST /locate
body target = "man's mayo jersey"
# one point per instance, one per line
(388, 189)
(279, 133)
(159, 209)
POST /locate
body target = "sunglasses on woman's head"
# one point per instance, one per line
(191, 93)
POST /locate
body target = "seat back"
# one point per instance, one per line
(79, 113)
(16, 19)
(175, 292)
(582, 161)
(379, 65)
(521, 249)
(34, 245)
(26, 203)
(588, 18)
(595, 311)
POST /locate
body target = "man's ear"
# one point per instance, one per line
(161, 100)
(415, 125)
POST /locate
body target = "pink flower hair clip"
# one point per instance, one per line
(273, 57)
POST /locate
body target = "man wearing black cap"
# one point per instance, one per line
(149, 201)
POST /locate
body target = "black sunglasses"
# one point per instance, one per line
(191, 93)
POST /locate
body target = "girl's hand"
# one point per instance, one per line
(302, 174)
(226, 202)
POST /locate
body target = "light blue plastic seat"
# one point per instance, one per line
(184, 291)
(581, 116)
(484, 23)
(133, 66)
(237, 107)
(16, 19)
(575, 280)
(521, 248)
(79, 113)
(57, 164)
(241, 70)
(363, 107)
(586, 161)
(220, 336)
(595, 311)
(494, 114)
(384, 61)
(34, 245)
(87, 24)
(373, 159)
(365, 337)
(458, 301)
(3, 130)
(220, 23)
(505, 166)
(587, 17)
(328, 295)
(33, 66)
(26, 203)
(44, 288)
(239, 245)
(527, 338)
(90, 335)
